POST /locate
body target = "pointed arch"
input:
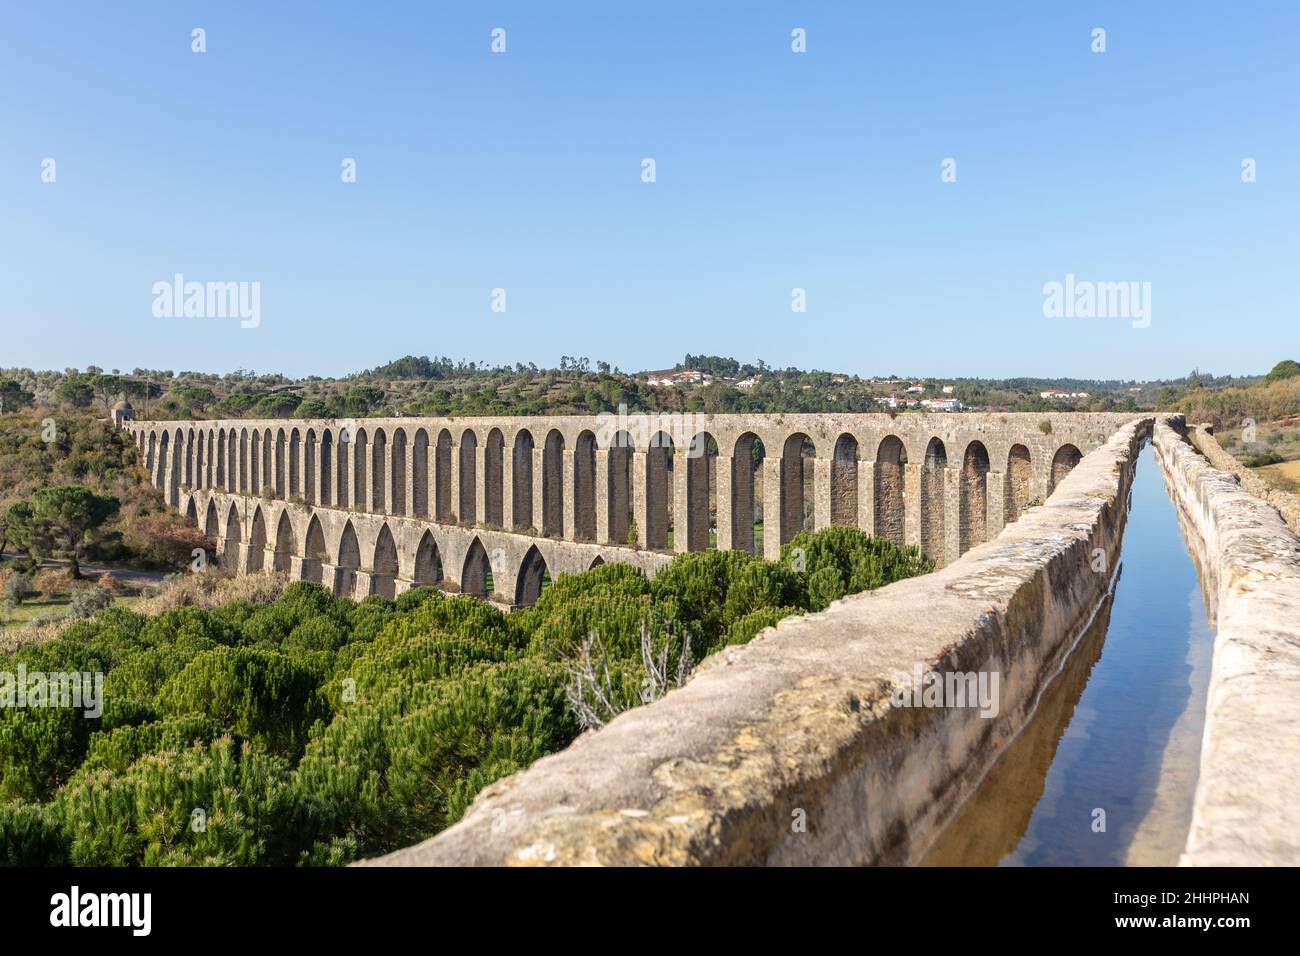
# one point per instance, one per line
(442, 477)
(286, 545)
(476, 575)
(325, 492)
(314, 555)
(291, 486)
(533, 576)
(349, 561)
(257, 541)
(234, 532)
(428, 561)
(310, 492)
(383, 577)
(191, 512)
(211, 523)
(360, 484)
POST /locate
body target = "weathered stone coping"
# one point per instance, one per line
(1288, 505)
(799, 724)
(1247, 806)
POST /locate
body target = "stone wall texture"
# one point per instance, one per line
(1288, 505)
(1247, 807)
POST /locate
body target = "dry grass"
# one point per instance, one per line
(208, 590)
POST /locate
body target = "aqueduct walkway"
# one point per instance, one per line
(489, 506)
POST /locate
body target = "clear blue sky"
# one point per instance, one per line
(774, 171)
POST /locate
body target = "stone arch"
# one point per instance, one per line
(187, 476)
(191, 512)
(198, 443)
(1019, 482)
(553, 485)
(284, 450)
(234, 532)
(746, 498)
(476, 575)
(398, 503)
(286, 545)
(257, 541)
(310, 493)
(1063, 462)
(659, 492)
(932, 499)
(220, 478)
(467, 455)
(844, 481)
(290, 488)
(349, 561)
(428, 561)
(177, 464)
(151, 458)
(533, 576)
(211, 523)
(210, 465)
(584, 487)
(268, 465)
(701, 463)
(360, 461)
(420, 474)
(972, 498)
(889, 481)
(618, 489)
(494, 475)
(596, 562)
(326, 485)
(796, 477)
(343, 469)
(383, 577)
(243, 461)
(442, 477)
(314, 555)
(254, 463)
(521, 482)
(378, 471)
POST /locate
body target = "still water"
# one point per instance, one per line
(1118, 732)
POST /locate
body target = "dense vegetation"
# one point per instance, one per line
(315, 730)
(71, 486)
(1275, 398)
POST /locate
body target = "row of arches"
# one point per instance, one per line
(343, 565)
(659, 497)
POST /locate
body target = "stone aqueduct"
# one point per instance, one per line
(491, 506)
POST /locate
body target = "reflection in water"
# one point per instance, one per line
(1118, 730)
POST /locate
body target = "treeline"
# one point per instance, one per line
(316, 730)
(1274, 398)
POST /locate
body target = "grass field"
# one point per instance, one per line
(1284, 476)
(30, 610)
